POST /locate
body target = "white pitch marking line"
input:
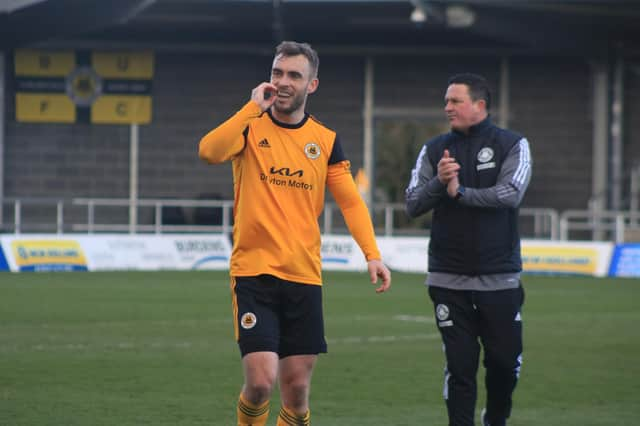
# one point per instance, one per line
(76, 347)
(382, 339)
(414, 318)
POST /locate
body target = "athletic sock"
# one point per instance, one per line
(252, 415)
(289, 418)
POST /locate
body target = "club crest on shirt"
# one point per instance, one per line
(312, 150)
(442, 312)
(248, 320)
(485, 155)
(484, 158)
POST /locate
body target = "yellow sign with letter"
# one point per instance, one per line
(138, 66)
(42, 63)
(45, 108)
(120, 109)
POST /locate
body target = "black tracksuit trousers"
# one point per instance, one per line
(465, 319)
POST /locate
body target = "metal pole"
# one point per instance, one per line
(133, 178)
(158, 215)
(388, 220)
(619, 230)
(90, 216)
(554, 224)
(617, 124)
(226, 216)
(60, 218)
(503, 112)
(599, 143)
(368, 128)
(328, 219)
(17, 216)
(564, 227)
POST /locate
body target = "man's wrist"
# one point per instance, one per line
(459, 192)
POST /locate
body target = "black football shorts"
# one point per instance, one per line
(276, 315)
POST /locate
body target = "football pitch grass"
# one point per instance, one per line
(157, 348)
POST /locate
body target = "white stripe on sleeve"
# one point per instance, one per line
(524, 164)
(415, 173)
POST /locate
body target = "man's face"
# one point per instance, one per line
(292, 77)
(462, 111)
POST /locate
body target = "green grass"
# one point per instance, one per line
(157, 348)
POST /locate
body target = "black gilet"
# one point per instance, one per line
(474, 240)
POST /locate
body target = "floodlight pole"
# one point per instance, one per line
(133, 177)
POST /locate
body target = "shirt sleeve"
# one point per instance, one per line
(337, 155)
(425, 190)
(353, 208)
(228, 139)
(512, 182)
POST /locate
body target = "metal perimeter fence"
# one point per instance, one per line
(120, 215)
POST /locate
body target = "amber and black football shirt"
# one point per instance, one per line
(280, 174)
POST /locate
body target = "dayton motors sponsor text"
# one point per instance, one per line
(283, 176)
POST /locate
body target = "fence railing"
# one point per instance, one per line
(535, 222)
(158, 224)
(94, 215)
(617, 226)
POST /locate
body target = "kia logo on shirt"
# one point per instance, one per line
(285, 171)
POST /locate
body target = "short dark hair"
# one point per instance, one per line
(293, 48)
(477, 84)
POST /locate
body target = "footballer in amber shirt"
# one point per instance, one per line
(280, 174)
